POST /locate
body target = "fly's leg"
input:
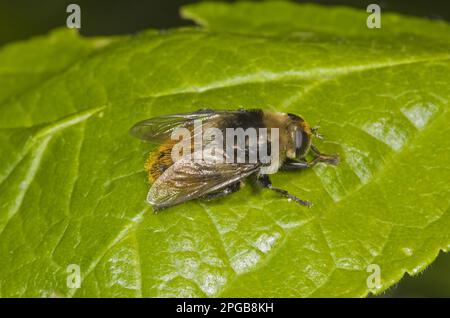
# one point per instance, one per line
(321, 157)
(234, 187)
(291, 164)
(264, 181)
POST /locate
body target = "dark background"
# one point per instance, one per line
(21, 19)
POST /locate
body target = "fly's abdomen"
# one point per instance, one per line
(159, 161)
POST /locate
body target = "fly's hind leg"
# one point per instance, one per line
(264, 181)
(234, 187)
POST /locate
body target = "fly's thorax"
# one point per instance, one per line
(283, 123)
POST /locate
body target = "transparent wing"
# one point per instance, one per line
(187, 179)
(159, 129)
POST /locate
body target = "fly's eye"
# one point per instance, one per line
(298, 139)
(302, 142)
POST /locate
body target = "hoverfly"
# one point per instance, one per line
(186, 179)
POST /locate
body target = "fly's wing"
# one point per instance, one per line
(159, 129)
(187, 179)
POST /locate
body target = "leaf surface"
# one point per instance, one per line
(308, 20)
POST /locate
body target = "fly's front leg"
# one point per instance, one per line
(291, 164)
(321, 157)
(264, 181)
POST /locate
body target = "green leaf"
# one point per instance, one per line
(283, 17)
(73, 184)
(29, 63)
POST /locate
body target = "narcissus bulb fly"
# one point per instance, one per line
(208, 154)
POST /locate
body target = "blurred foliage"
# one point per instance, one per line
(432, 282)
